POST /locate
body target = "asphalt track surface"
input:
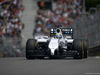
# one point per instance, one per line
(68, 66)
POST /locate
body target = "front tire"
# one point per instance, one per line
(30, 47)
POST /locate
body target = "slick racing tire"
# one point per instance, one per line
(30, 47)
(85, 48)
(77, 44)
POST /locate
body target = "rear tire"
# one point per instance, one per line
(30, 47)
(78, 47)
(85, 48)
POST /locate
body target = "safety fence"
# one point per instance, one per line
(88, 28)
(11, 47)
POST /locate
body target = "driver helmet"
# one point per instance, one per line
(58, 35)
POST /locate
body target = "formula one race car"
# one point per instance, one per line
(60, 44)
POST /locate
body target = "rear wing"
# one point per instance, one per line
(66, 32)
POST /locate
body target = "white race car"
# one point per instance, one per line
(57, 46)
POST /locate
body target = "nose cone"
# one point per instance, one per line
(53, 45)
(52, 51)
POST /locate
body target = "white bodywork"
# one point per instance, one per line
(54, 42)
(41, 38)
(53, 45)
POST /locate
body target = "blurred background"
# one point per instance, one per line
(24, 19)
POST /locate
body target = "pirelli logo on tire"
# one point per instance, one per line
(82, 50)
(36, 43)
